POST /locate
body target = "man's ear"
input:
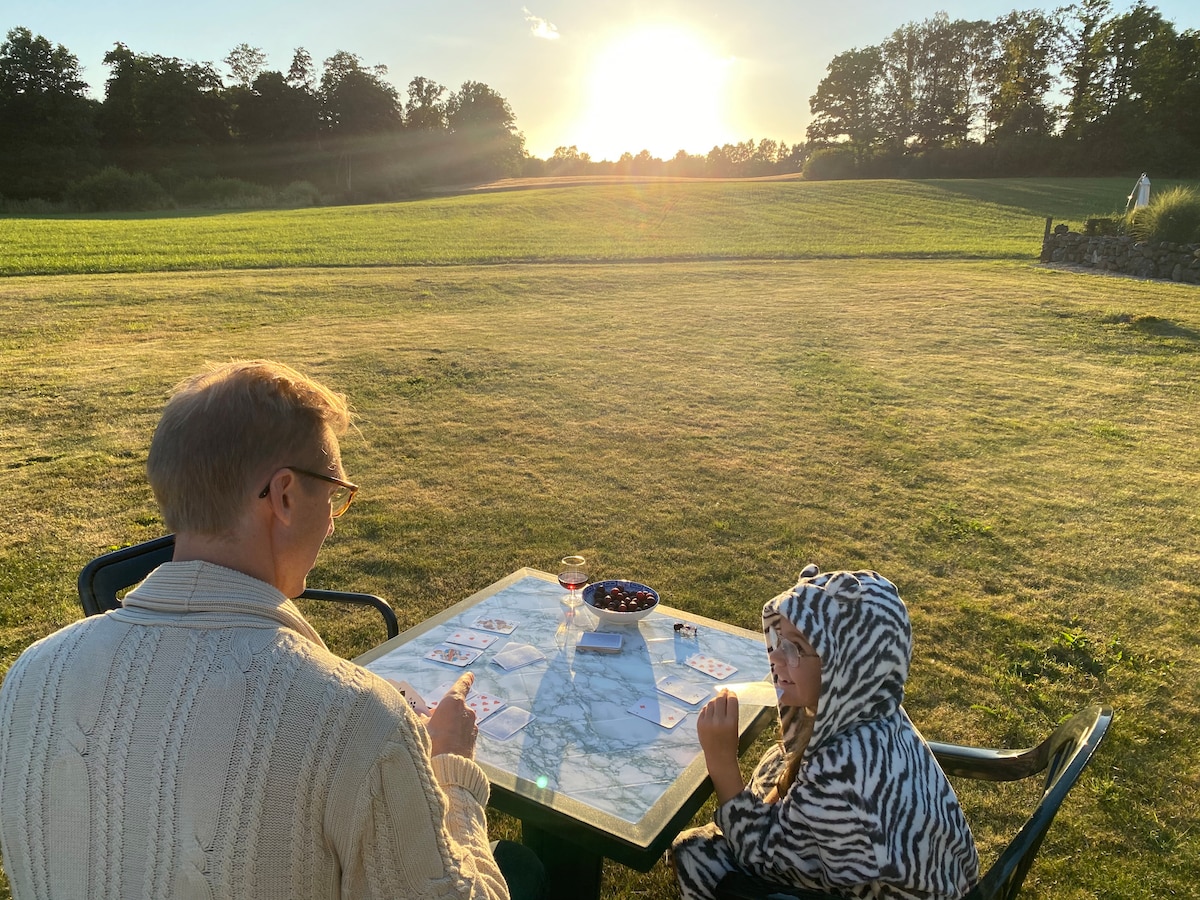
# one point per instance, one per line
(282, 495)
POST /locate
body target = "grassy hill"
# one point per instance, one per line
(630, 221)
(1015, 446)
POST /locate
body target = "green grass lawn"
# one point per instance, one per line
(1014, 446)
(647, 221)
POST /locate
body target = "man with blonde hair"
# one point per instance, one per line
(202, 742)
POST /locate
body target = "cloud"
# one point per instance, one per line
(539, 27)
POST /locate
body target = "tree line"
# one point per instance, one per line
(1077, 91)
(343, 128)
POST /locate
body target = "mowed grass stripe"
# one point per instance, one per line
(657, 220)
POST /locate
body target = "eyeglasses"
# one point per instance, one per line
(792, 654)
(339, 500)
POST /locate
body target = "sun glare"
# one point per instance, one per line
(661, 90)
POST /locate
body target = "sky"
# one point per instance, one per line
(606, 77)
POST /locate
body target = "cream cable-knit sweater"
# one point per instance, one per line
(202, 742)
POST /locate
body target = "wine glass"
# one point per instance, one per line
(572, 575)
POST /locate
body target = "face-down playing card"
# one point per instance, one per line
(506, 723)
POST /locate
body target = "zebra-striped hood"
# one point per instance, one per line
(859, 626)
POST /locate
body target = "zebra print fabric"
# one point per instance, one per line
(870, 814)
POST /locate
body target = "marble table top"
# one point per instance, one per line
(583, 743)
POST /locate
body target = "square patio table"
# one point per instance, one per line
(586, 778)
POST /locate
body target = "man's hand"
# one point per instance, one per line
(717, 728)
(452, 726)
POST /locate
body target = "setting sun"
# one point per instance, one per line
(659, 89)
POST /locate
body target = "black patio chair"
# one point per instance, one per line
(1062, 756)
(102, 580)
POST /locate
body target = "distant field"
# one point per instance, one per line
(655, 220)
(1015, 446)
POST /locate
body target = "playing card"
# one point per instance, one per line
(754, 693)
(659, 713)
(710, 665)
(506, 723)
(515, 656)
(410, 693)
(455, 656)
(484, 705)
(476, 639)
(495, 623)
(438, 693)
(682, 689)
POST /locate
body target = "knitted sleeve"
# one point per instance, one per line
(423, 829)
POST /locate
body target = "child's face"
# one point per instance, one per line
(797, 674)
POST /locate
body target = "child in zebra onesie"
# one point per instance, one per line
(852, 800)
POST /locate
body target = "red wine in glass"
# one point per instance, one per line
(573, 575)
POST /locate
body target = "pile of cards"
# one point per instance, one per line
(514, 656)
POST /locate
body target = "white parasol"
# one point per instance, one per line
(1140, 195)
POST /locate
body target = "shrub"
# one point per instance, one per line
(830, 164)
(115, 189)
(34, 206)
(223, 193)
(1173, 215)
(300, 193)
(1102, 225)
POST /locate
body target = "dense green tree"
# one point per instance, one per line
(245, 63)
(1019, 77)
(301, 73)
(947, 70)
(425, 109)
(847, 102)
(568, 161)
(356, 101)
(1082, 65)
(899, 75)
(686, 165)
(276, 112)
(485, 143)
(160, 111)
(47, 138)
(361, 116)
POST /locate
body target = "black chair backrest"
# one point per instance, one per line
(1063, 757)
(102, 580)
(106, 576)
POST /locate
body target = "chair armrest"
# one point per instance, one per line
(990, 765)
(384, 608)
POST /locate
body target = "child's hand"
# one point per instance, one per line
(717, 728)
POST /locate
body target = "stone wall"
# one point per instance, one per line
(1121, 253)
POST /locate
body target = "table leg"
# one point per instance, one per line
(572, 872)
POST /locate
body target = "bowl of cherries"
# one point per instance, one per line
(620, 602)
